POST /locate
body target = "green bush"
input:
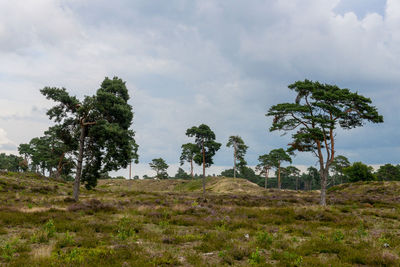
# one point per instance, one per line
(264, 239)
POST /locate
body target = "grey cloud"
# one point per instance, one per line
(8, 147)
(215, 62)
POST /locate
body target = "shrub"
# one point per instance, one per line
(256, 258)
(264, 239)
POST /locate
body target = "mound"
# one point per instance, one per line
(365, 192)
(214, 185)
(233, 186)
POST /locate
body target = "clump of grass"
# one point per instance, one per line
(67, 240)
(338, 236)
(126, 229)
(264, 239)
(43, 235)
(9, 249)
(256, 258)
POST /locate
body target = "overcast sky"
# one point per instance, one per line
(222, 63)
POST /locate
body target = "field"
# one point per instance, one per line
(167, 223)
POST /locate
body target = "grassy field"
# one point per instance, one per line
(166, 223)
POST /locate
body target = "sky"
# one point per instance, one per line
(187, 62)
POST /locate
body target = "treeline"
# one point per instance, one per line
(341, 171)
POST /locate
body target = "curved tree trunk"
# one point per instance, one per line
(324, 178)
(191, 168)
(59, 166)
(266, 179)
(204, 171)
(234, 161)
(78, 174)
(279, 175)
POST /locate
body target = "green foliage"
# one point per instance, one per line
(256, 258)
(205, 141)
(160, 167)
(189, 151)
(338, 236)
(264, 239)
(315, 115)
(181, 174)
(50, 228)
(388, 172)
(277, 156)
(102, 123)
(265, 164)
(8, 250)
(126, 229)
(42, 236)
(359, 172)
(11, 163)
(239, 151)
(339, 163)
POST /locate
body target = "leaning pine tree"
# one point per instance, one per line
(101, 122)
(315, 115)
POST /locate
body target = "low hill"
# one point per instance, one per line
(365, 192)
(213, 185)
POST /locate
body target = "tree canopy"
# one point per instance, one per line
(314, 116)
(239, 150)
(264, 166)
(388, 172)
(358, 171)
(101, 123)
(160, 167)
(189, 151)
(277, 156)
(207, 147)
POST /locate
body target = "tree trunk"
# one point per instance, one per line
(130, 170)
(297, 183)
(266, 179)
(204, 171)
(77, 182)
(59, 166)
(191, 168)
(234, 161)
(279, 175)
(324, 177)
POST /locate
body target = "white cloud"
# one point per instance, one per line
(214, 62)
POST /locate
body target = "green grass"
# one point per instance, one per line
(118, 225)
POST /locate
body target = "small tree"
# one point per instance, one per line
(315, 114)
(189, 151)
(160, 167)
(292, 172)
(312, 176)
(102, 123)
(278, 156)
(264, 166)
(339, 163)
(358, 171)
(207, 147)
(239, 150)
(181, 174)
